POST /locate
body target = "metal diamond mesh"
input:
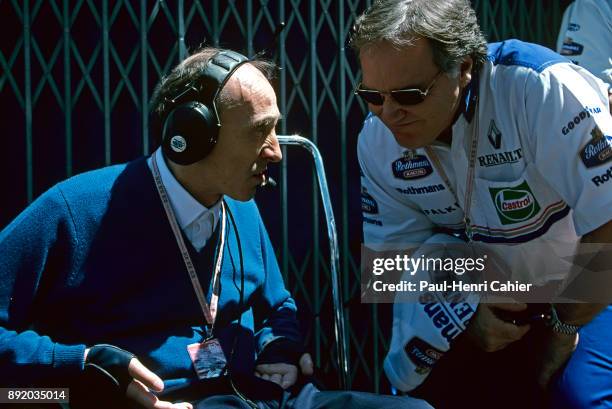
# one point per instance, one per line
(76, 77)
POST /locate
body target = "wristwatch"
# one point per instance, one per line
(559, 326)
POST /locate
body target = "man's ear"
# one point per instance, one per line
(465, 74)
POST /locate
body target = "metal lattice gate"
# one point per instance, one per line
(76, 76)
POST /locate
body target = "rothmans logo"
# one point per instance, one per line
(514, 204)
(415, 167)
(598, 150)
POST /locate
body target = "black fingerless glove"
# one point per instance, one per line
(112, 362)
(281, 350)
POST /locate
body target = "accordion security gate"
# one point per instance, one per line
(76, 76)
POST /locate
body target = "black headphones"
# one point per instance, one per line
(191, 128)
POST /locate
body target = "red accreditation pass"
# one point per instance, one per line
(208, 358)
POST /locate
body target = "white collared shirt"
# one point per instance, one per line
(586, 36)
(195, 220)
(542, 172)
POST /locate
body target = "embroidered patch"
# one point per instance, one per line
(410, 168)
(569, 47)
(422, 355)
(514, 204)
(368, 204)
(598, 150)
(494, 135)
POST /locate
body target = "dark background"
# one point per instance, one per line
(76, 76)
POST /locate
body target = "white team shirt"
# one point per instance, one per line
(543, 169)
(585, 36)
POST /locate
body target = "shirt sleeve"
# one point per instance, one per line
(385, 219)
(585, 36)
(569, 131)
(39, 237)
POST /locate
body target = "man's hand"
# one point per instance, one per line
(561, 346)
(558, 351)
(284, 375)
(491, 333)
(306, 365)
(143, 381)
(140, 388)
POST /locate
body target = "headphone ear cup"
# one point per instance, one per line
(190, 133)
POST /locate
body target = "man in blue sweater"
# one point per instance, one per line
(166, 259)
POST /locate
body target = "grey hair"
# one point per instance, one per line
(450, 26)
(189, 71)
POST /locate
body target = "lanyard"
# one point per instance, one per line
(436, 162)
(210, 313)
(469, 184)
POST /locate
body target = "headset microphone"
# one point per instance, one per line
(269, 182)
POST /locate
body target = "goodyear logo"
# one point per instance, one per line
(409, 168)
(514, 204)
(581, 116)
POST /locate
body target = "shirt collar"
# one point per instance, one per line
(470, 96)
(186, 208)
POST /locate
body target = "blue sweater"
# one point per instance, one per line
(94, 260)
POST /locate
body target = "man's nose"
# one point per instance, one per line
(272, 151)
(391, 110)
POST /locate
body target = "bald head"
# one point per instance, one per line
(189, 71)
(246, 143)
(245, 82)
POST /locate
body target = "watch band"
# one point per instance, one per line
(559, 326)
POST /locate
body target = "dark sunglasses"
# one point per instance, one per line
(407, 96)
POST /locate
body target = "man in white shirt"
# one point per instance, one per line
(508, 145)
(585, 36)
